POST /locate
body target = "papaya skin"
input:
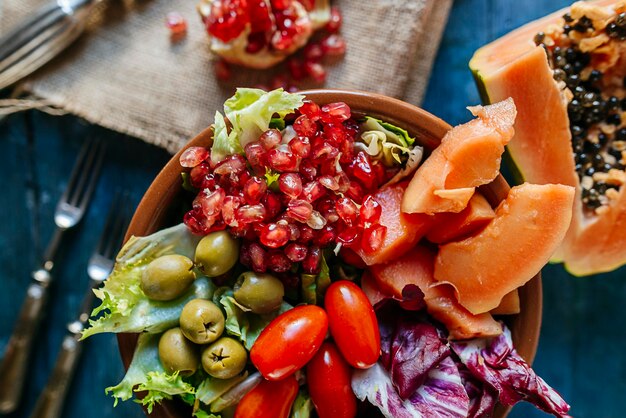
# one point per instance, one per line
(528, 227)
(541, 150)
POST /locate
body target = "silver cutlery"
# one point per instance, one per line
(41, 37)
(69, 211)
(50, 402)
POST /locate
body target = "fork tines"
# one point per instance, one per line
(116, 224)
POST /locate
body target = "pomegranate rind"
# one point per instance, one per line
(528, 227)
(469, 156)
(541, 150)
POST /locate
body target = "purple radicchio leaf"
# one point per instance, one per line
(482, 397)
(416, 349)
(441, 396)
(495, 362)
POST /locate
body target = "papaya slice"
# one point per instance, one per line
(416, 267)
(528, 227)
(561, 136)
(403, 230)
(469, 156)
(455, 226)
(509, 305)
(371, 289)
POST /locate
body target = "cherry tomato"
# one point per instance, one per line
(353, 324)
(289, 341)
(269, 399)
(328, 377)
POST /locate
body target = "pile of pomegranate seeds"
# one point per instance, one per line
(177, 25)
(294, 192)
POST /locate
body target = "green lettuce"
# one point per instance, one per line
(386, 142)
(250, 113)
(240, 322)
(147, 374)
(302, 406)
(394, 133)
(124, 306)
(212, 389)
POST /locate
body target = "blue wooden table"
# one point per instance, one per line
(583, 337)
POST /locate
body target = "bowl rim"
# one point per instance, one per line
(429, 130)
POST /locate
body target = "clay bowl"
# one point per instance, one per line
(155, 212)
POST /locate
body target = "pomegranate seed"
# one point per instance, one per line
(209, 202)
(335, 134)
(296, 252)
(256, 155)
(229, 209)
(256, 42)
(322, 148)
(299, 210)
(233, 164)
(270, 138)
(295, 68)
(313, 191)
(282, 40)
(278, 262)
(290, 184)
(248, 214)
(326, 236)
(260, 20)
(257, 257)
(306, 233)
(257, 227)
(254, 190)
(272, 204)
(279, 81)
(311, 263)
(348, 235)
(282, 160)
(280, 4)
(244, 254)
(308, 170)
(343, 181)
(201, 178)
(329, 182)
(292, 89)
(313, 52)
(334, 24)
(362, 170)
(334, 45)
(274, 235)
(315, 71)
(347, 210)
(316, 220)
(309, 5)
(176, 23)
(355, 192)
(305, 126)
(300, 146)
(228, 19)
(311, 110)
(370, 211)
(198, 223)
(373, 238)
(222, 70)
(335, 112)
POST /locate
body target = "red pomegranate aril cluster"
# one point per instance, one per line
(314, 200)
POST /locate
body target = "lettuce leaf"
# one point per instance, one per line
(147, 374)
(242, 323)
(211, 388)
(441, 396)
(302, 406)
(394, 134)
(390, 144)
(250, 112)
(124, 306)
(496, 363)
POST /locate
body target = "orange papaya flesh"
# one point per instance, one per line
(416, 268)
(403, 230)
(455, 226)
(528, 227)
(542, 149)
(371, 289)
(469, 156)
(509, 305)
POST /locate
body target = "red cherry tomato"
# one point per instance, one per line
(268, 399)
(289, 341)
(328, 377)
(353, 324)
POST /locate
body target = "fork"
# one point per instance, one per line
(69, 211)
(50, 402)
(41, 37)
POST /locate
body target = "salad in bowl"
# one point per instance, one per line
(321, 254)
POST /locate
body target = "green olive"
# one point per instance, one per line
(260, 292)
(225, 358)
(217, 253)
(177, 353)
(167, 277)
(202, 321)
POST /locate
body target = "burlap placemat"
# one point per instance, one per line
(127, 75)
